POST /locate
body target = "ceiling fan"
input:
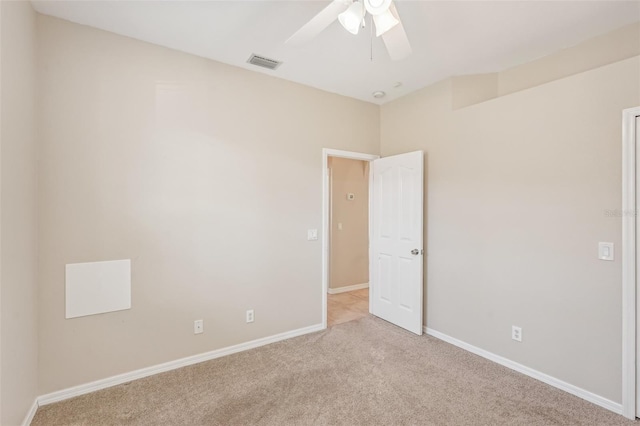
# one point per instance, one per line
(351, 15)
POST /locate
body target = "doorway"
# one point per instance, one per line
(395, 235)
(347, 183)
(348, 286)
(630, 263)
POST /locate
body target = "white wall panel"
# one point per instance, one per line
(97, 287)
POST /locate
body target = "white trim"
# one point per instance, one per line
(171, 365)
(347, 288)
(31, 414)
(629, 284)
(326, 153)
(370, 220)
(545, 378)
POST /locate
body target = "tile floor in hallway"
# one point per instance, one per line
(349, 306)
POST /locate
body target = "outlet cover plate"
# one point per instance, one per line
(516, 333)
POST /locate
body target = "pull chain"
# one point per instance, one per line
(371, 31)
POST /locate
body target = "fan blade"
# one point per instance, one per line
(396, 39)
(318, 23)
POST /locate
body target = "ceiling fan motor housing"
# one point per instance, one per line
(377, 7)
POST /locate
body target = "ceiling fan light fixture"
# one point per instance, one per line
(351, 18)
(384, 22)
(377, 7)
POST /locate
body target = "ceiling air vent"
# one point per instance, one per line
(263, 62)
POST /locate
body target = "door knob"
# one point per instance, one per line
(415, 252)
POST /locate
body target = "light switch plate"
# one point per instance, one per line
(605, 251)
(312, 234)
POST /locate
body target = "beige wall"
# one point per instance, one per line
(472, 89)
(608, 48)
(18, 253)
(516, 193)
(349, 264)
(615, 46)
(205, 175)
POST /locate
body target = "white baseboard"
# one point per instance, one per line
(545, 378)
(171, 365)
(218, 353)
(347, 288)
(32, 412)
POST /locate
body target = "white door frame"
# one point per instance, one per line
(326, 153)
(629, 281)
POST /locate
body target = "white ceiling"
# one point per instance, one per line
(448, 37)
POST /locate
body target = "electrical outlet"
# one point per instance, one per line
(250, 315)
(516, 333)
(198, 326)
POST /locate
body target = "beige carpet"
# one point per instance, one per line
(364, 372)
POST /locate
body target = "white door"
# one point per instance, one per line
(396, 244)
